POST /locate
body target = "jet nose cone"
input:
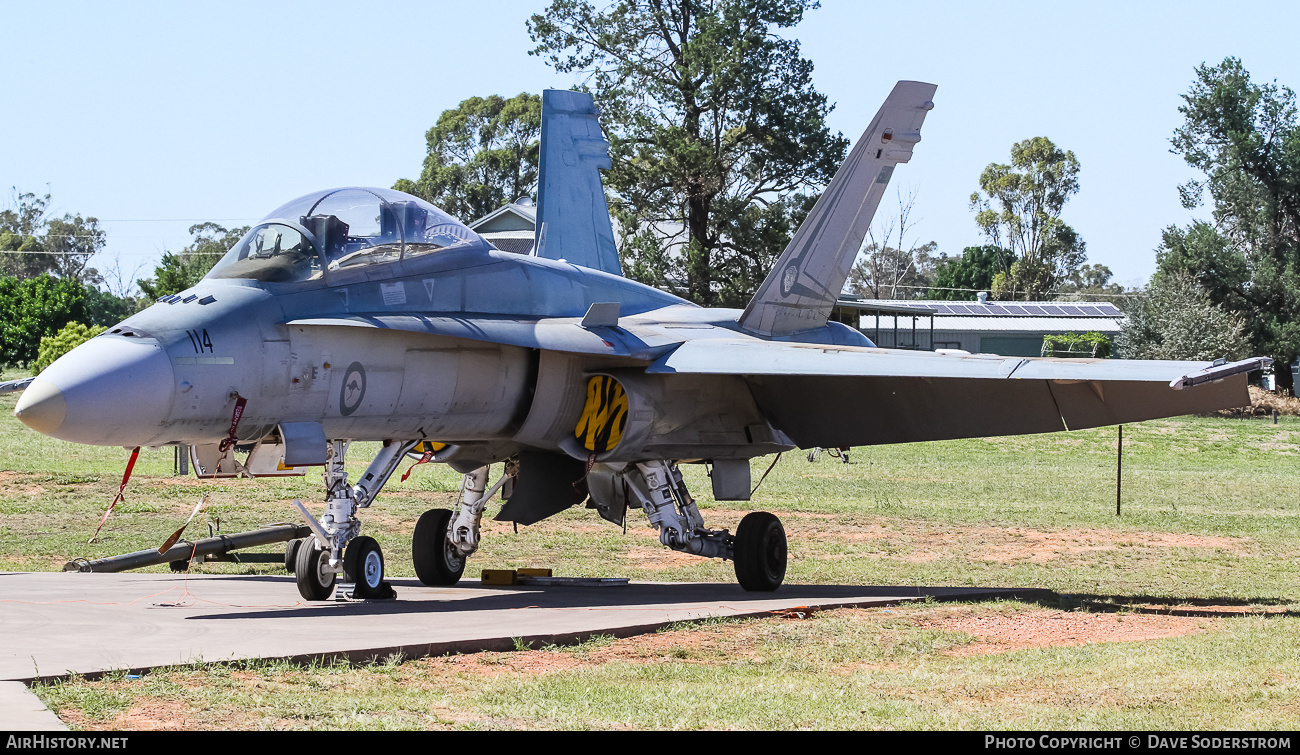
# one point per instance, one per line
(41, 407)
(107, 391)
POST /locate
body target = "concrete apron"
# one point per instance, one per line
(63, 623)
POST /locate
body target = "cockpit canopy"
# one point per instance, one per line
(342, 228)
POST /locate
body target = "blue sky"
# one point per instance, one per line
(153, 116)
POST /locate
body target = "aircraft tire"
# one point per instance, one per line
(437, 562)
(291, 554)
(760, 552)
(313, 582)
(363, 565)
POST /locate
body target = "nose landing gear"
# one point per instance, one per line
(336, 547)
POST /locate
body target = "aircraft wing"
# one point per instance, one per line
(838, 396)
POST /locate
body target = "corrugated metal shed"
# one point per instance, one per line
(1009, 328)
(1108, 325)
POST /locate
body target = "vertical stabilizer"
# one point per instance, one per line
(799, 292)
(572, 216)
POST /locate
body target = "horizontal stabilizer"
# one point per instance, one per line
(572, 215)
(798, 293)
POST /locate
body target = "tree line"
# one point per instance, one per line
(47, 285)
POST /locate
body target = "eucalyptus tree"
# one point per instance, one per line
(718, 137)
(1019, 208)
(1244, 138)
(481, 155)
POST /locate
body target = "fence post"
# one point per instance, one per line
(1119, 468)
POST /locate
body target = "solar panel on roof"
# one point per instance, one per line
(1024, 309)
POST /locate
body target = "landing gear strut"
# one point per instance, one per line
(758, 548)
(444, 539)
(337, 546)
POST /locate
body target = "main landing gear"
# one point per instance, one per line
(758, 549)
(760, 552)
(437, 560)
(444, 539)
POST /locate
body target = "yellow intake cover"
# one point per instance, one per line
(605, 415)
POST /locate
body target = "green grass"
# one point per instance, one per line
(839, 670)
(1211, 512)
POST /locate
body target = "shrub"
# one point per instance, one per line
(52, 347)
(1090, 344)
(34, 308)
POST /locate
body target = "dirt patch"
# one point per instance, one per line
(16, 482)
(1007, 545)
(659, 558)
(681, 645)
(154, 715)
(148, 714)
(1000, 633)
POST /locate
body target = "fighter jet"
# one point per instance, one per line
(361, 314)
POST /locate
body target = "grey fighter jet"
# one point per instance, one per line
(370, 315)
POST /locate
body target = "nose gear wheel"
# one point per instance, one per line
(315, 581)
(363, 565)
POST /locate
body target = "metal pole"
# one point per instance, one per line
(185, 549)
(1119, 468)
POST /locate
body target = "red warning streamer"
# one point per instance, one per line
(423, 460)
(240, 403)
(121, 493)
